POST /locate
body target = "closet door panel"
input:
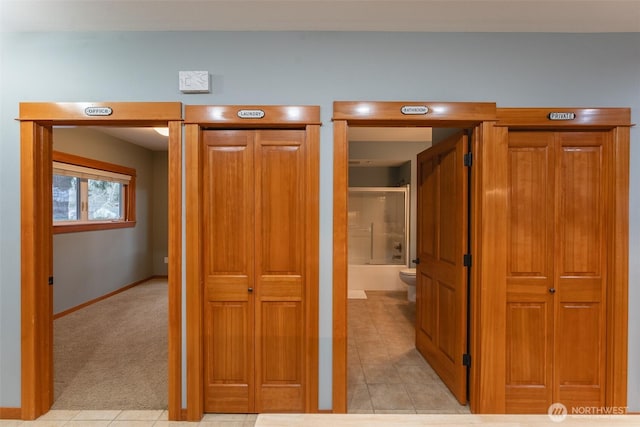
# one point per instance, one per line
(280, 251)
(581, 268)
(530, 228)
(227, 236)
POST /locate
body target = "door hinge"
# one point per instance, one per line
(468, 159)
(466, 359)
(466, 260)
(50, 280)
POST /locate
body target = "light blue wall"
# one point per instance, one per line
(91, 264)
(307, 68)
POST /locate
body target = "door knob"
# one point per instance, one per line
(250, 290)
(552, 290)
(416, 261)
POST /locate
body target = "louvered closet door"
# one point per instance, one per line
(556, 279)
(254, 248)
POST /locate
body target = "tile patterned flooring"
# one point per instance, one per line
(386, 374)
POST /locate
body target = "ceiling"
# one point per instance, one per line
(574, 16)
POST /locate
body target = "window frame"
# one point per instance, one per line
(129, 199)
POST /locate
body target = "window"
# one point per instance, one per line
(91, 195)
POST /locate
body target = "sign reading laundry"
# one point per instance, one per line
(414, 109)
(98, 111)
(562, 116)
(251, 114)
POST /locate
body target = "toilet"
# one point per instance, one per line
(408, 276)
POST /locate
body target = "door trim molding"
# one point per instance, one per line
(198, 117)
(486, 370)
(36, 126)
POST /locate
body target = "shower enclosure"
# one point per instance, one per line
(378, 236)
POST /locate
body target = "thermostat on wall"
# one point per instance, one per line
(194, 81)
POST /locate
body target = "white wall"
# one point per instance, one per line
(315, 69)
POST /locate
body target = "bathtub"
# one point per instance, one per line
(375, 277)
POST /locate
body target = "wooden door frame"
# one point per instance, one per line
(36, 142)
(198, 117)
(486, 380)
(617, 121)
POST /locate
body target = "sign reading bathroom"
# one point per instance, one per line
(98, 111)
(251, 114)
(562, 116)
(414, 109)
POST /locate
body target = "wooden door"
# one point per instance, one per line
(441, 294)
(581, 268)
(254, 290)
(556, 270)
(530, 272)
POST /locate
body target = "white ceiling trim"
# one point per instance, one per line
(572, 16)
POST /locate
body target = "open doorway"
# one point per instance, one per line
(110, 299)
(37, 123)
(349, 115)
(386, 372)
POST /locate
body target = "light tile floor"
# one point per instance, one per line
(63, 418)
(386, 374)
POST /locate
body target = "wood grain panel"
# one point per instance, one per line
(228, 355)
(527, 332)
(228, 349)
(228, 202)
(529, 354)
(448, 215)
(425, 320)
(446, 321)
(279, 187)
(281, 334)
(428, 204)
(581, 211)
(530, 227)
(580, 355)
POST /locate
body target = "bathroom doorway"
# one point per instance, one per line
(386, 372)
(446, 116)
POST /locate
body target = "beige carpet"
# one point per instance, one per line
(113, 354)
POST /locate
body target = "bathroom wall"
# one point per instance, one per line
(402, 151)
